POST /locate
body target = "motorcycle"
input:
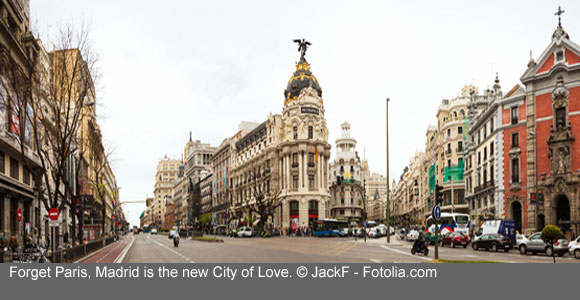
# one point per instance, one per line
(420, 247)
(176, 240)
(32, 253)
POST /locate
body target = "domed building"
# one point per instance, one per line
(280, 169)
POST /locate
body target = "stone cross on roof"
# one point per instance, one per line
(559, 14)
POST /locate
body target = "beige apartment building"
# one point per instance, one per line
(484, 167)
(409, 202)
(376, 192)
(167, 171)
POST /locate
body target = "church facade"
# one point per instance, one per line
(552, 110)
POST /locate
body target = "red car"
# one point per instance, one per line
(453, 239)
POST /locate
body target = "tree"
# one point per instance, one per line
(550, 235)
(263, 199)
(53, 94)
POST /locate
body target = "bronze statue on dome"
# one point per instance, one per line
(302, 47)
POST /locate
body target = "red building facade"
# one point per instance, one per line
(551, 133)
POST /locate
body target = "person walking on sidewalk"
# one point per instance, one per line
(13, 243)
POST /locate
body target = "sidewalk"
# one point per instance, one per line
(112, 253)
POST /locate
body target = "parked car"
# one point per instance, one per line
(454, 238)
(503, 227)
(360, 232)
(402, 233)
(413, 235)
(153, 231)
(374, 233)
(520, 238)
(574, 248)
(431, 238)
(382, 230)
(493, 241)
(245, 231)
(535, 244)
(344, 232)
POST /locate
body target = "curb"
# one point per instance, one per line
(121, 256)
(209, 241)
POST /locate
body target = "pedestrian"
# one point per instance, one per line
(65, 238)
(13, 245)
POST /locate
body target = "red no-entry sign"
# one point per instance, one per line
(19, 214)
(53, 214)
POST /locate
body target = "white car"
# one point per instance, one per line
(574, 248)
(374, 232)
(245, 231)
(153, 231)
(520, 238)
(413, 235)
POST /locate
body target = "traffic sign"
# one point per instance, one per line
(53, 213)
(437, 212)
(19, 214)
(269, 220)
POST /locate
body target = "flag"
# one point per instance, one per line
(316, 154)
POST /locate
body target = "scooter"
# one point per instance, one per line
(420, 247)
(176, 240)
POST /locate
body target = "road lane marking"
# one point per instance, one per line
(173, 251)
(348, 247)
(405, 253)
(121, 256)
(375, 260)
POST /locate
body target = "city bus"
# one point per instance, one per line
(450, 222)
(328, 227)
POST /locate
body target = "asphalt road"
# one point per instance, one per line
(148, 248)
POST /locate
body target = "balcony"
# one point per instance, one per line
(484, 186)
(311, 165)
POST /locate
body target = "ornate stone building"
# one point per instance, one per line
(484, 156)
(284, 160)
(346, 201)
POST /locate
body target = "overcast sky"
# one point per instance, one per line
(170, 67)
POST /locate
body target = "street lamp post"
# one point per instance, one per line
(388, 213)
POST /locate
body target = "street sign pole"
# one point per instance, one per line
(436, 214)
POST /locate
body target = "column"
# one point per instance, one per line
(318, 170)
(281, 173)
(300, 170)
(288, 173)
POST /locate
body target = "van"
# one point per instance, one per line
(505, 227)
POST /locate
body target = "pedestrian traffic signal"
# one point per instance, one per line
(438, 194)
(540, 197)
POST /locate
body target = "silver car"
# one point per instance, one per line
(575, 247)
(535, 244)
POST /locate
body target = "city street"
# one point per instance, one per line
(159, 249)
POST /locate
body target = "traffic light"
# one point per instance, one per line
(540, 197)
(533, 198)
(438, 194)
(338, 181)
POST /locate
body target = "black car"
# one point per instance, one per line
(492, 241)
